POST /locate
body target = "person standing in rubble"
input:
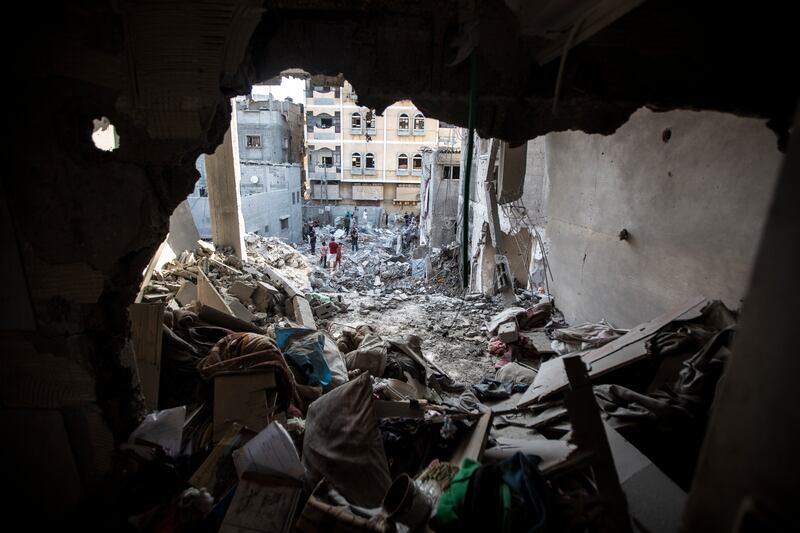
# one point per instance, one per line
(323, 259)
(333, 253)
(407, 218)
(354, 239)
(347, 222)
(312, 238)
(366, 224)
(386, 219)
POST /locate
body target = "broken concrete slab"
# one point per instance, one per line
(187, 293)
(208, 295)
(242, 291)
(302, 313)
(240, 311)
(276, 277)
(205, 247)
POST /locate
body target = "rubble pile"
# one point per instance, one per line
(385, 262)
(261, 420)
(256, 292)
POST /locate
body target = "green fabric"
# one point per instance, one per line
(452, 500)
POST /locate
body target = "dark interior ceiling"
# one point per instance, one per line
(662, 54)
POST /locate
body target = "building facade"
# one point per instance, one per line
(271, 150)
(359, 159)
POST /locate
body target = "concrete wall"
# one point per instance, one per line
(694, 206)
(439, 197)
(264, 208)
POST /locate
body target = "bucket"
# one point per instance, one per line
(405, 503)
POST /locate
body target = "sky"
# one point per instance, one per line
(292, 87)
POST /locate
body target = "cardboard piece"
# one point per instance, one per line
(245, 397)
(146, 330)
(262, 505)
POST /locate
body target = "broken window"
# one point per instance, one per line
(416, 167)
(402, 164)
(327, 161)
(284, 223)
(402, 123)
(254, 141)
(355, 163)
(419, 123)
(369, 162)
(355, 121)
(324, 121)
(451, 172)
(371, 121)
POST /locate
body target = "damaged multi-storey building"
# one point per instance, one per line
(270, 150)
(638, 160)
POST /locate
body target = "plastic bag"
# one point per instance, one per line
(305, 350)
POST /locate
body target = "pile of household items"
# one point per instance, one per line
(260, 421)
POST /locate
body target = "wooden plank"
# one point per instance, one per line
(208, 295)
(151, 266)
(590, 436)
(474, 442)
(146, 330)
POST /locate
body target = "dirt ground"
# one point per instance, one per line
(452, 329)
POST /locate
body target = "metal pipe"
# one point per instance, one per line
(473, 101)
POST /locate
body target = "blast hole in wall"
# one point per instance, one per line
(104, 135)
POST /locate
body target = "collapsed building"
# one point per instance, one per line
(81, 225)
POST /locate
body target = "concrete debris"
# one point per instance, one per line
(317, 372)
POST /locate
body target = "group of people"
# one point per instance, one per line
(331, 252)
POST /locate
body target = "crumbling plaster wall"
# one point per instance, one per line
(694, 206)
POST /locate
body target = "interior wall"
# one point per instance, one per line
(746, 475)
(691, 188)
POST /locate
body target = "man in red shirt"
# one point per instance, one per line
(334, 248)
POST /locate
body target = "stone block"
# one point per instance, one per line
(242, 291)
(508, 332)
